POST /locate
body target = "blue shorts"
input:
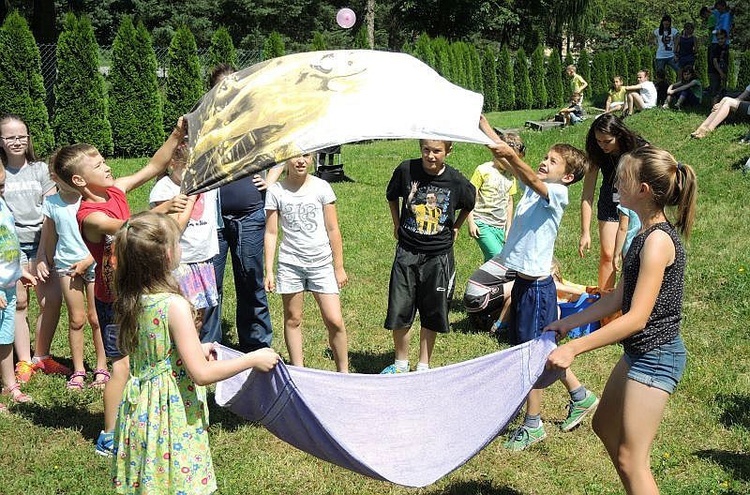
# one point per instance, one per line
(28, 252)
(533, 307)
(291, 279)
(661, 368)
(8, 316)
(106, 314)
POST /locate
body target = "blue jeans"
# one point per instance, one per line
(243, 238)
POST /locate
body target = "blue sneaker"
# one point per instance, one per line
(105, 444)
(392, 370)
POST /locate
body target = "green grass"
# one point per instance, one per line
(702, 445)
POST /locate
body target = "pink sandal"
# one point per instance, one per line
(74, 385)
(101, 380)
(15, 394)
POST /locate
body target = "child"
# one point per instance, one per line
(27, 183)
(628, 228)
(529, 251)
(423, 270)
(718, 66)
(491, 217)
(310, 256)
(640, 96)
(161, 443)
(73, 266)
(650, 296)
(199, 242)
(666, 36)
(11, 272)
(686, 47)
(689, 90)
(616, 96)
(103, 210)
(577, 83)
(573, 113)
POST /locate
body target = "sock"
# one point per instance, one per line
(578, 394)
(402, 364)
(532, 420)
(36, 359)
(423, 366)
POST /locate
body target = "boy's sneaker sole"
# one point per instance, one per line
(578, 412)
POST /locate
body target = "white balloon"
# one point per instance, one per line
(346, 18)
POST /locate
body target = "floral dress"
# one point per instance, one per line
(161, 442)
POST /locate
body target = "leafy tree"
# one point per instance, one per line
(81, 114)
(184, 85)
(553, 81)
(221, 50)
(423, 50)
(634, 65)
(583, 67)
(537, 75)
(135, 104)
(21, 85)
(274, 46)
(506, 92)
(524, 98)
(489, 73)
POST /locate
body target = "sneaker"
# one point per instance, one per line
(578, 410)
(391, 370)
(524, 437)
(746, 139)
(105, 444)
(24, 371)
(51, 367)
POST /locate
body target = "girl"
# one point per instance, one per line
(310, 255)
(73, 266)
(666, 37)
(616, 96)
(199, 242)
(607, 140)
(27, 183)
(161, 440)
(689, 90)
(687, 46)
(721, 111)
(650, 297)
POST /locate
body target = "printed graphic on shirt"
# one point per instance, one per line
(429, 208)
(666, 40)
(301, 217)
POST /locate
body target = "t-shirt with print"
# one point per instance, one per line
(25, 188)
(426, 218)
(199, 242)
(494, 188)
(115, 207)
(531, 242)
(665, 42)
(305, 239)
(10, 250)
(70, 247)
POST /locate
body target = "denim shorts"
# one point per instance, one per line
(7, 316)
(28, 252)
(291, 279)
(105, 312)
(661, 368)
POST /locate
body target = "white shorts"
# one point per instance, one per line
(291, 279)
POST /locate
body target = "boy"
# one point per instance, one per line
(422, 276)
(577, 82)
(528, 251)
(642, 95)
(103, 210)
(718, 66)
(573, 113)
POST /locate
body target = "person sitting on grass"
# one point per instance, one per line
(688, 91)
(641, 96)
(616, 96)
(573, 113)
(720, 111)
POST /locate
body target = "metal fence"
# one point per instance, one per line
(245, 58)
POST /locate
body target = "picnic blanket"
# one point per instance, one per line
(410, 429)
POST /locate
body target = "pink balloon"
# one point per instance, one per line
(346, 18)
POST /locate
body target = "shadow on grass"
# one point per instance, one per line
(737, 463)
(736, 410)
(369, 362)
(475, 488)
(63, 416)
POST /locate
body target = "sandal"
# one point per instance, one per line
(75, 385)
(15, 394)
(100, 381)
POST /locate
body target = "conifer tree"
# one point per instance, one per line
(184, 86)
(583, 67)
(81, 113)
(274, 45)
(622, 64)
(556, 96)
(537, 76)
(568, 59)
(489, 79)
(221, 50)
(506, 88)
(701, 65)
(732, 69)
(441, 48)
(524, 99)
(599, 77)
(318, 41)
(460, 66)
(361, 42)
(476, 68)
(743, 74)
(423, 50)
(634, 65)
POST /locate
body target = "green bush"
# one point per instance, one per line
(584, 67)
(599, 78)
(274, 47)
(22, 89)
(221, 50)
(134, 100)
(423, 50)
(476, 68)
(506, 88)
(184, 85)
(489, 79)
(81, 114)
(701, 65)
(732, 70)
(441, 48)
(568, 59)
(634, 65)
(621, 62)
(460, 65)
(555, 94)
(647, 60)
(361, 41)
(537, 74)
(524, 98)
(318, 42)
(743, 74)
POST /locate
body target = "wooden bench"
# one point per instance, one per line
(542, 125)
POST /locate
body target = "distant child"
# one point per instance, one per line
(718, 66)
(528, 252)
(688, 90)
(628, 228)
(311, 255)
(662, 85)
(199, 242)
(11, 272)
(573, 113)
(424, 224)
(161, 438)
(641, 96)
(577, 83)
(616, 96)
(492, 215)
(687, 46)
(650, 295)
(103, 210)
(67, 260)
(666, 39)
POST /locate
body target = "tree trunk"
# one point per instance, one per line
(370, 22)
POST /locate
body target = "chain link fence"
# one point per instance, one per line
(245, 58)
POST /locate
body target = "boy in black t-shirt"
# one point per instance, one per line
(423, 196)
(718, 65)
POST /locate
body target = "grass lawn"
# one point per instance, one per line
(704, 441)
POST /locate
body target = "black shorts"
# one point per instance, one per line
(420, 282)
(606, 206)
(743, 109)
(533, 307)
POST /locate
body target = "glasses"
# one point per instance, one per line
(13, 139)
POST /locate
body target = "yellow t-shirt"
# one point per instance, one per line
(577, 83)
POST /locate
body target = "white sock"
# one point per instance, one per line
(35, 359)
(402, 364)
(423, 366)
